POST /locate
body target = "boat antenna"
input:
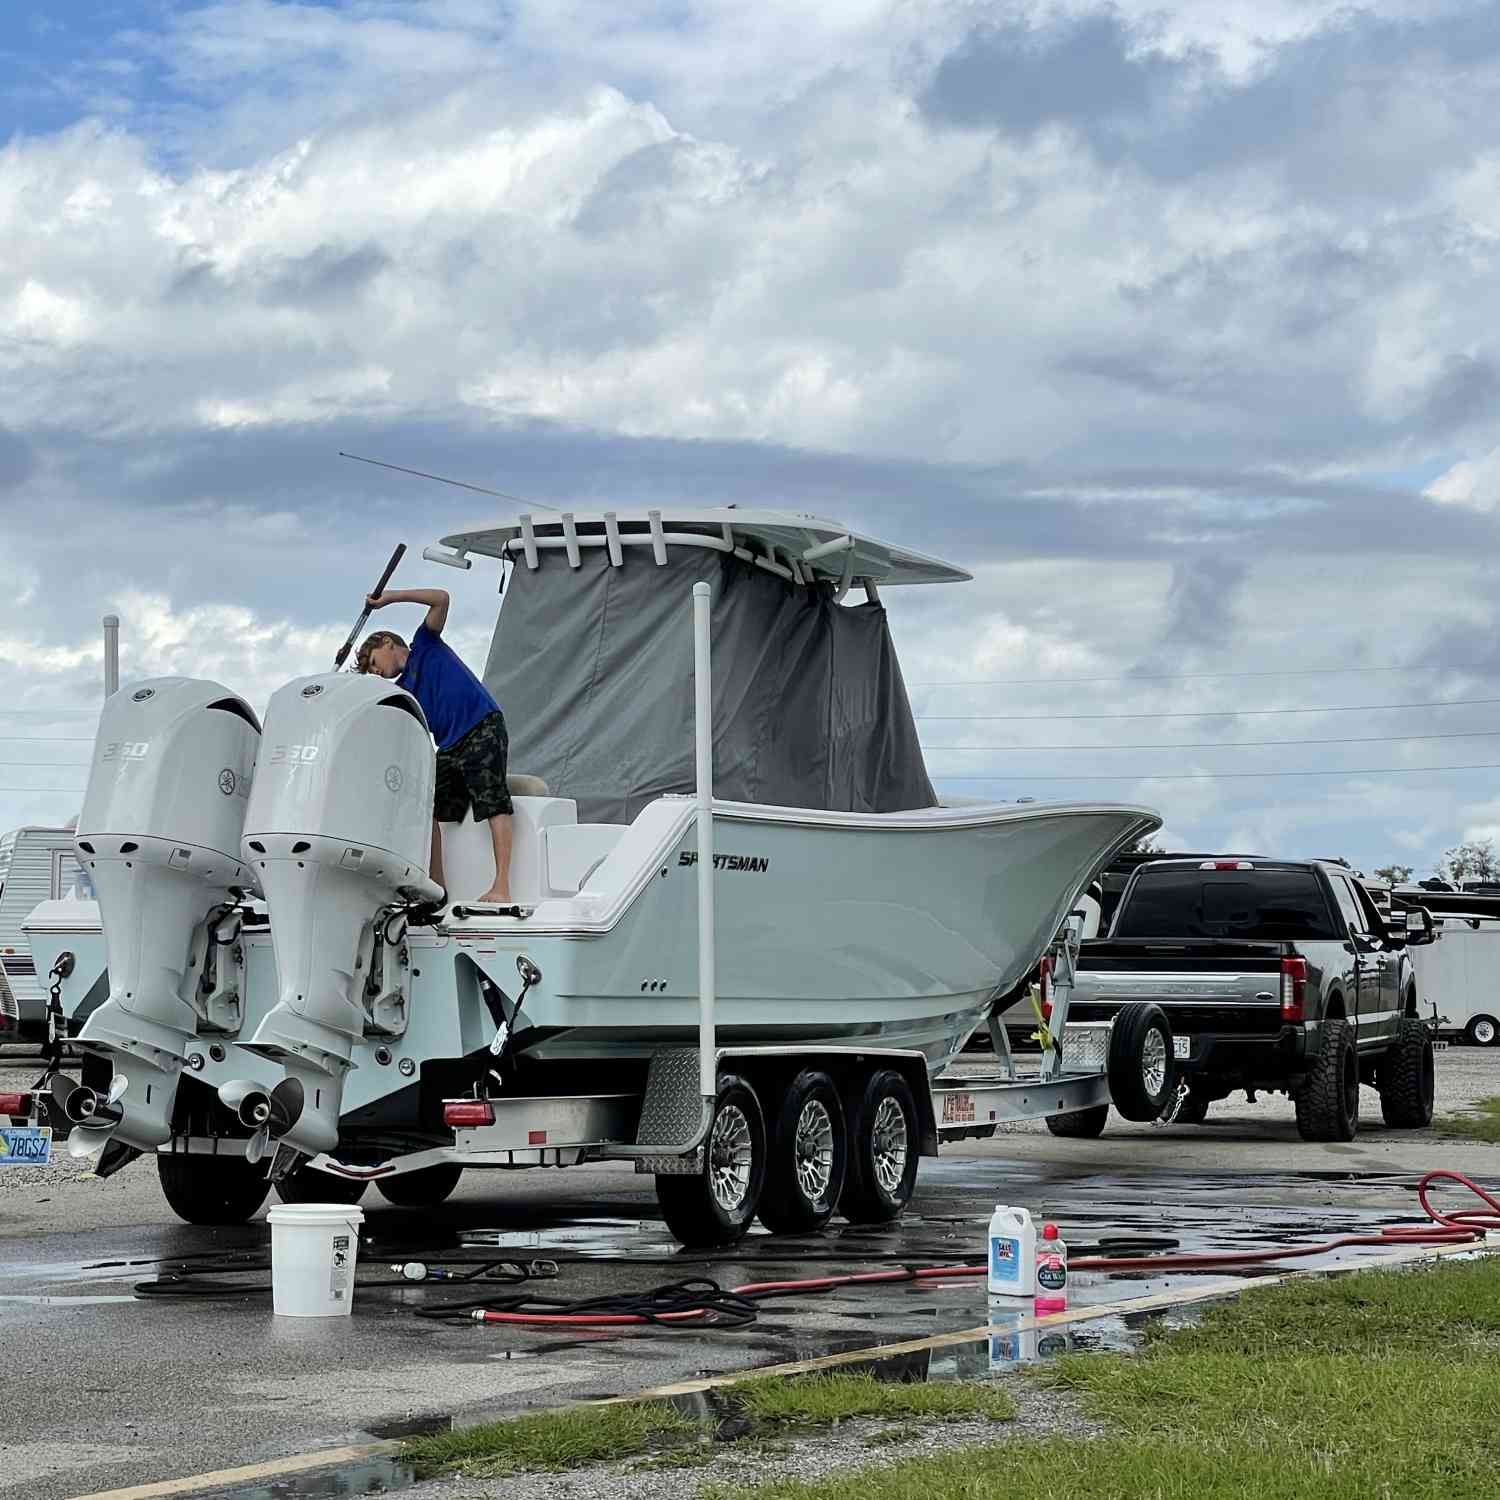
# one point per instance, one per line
(478, 489)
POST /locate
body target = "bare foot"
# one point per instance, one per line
(493, 897)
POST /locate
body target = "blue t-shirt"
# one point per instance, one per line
(452, 697)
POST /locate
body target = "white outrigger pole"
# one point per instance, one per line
(703, 730)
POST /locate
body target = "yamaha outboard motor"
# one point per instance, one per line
(339, 832)
(160, 833)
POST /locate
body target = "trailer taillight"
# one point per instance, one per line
(15, 1104)
(1044, 987)
(1293, 988)
(468, 1112)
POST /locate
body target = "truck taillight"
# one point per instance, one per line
(1293, 988)
(1044, 985)
(468, 1112)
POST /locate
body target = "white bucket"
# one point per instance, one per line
(313, 1250)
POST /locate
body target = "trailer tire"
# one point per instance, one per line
(212, 1189)
(305, 1184)
(1142, 1070)
(1407, 1078)
(715, 1205)
(808, 1157)
(420, 1189)
(1081, 1124)
(884, 1136)
(1328, 1101)
(1483, 1031)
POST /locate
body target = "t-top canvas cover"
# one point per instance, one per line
(593, 667)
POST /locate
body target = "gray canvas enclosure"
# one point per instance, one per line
(593, 667)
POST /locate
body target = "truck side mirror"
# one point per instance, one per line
(1419, 927)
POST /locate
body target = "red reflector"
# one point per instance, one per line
(1293, 988)
(468, 1112)
(15, 1104)
(536, 1137)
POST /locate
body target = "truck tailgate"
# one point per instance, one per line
(1202, 986)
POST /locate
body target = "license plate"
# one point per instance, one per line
(25, 1145)
(1182, 1047)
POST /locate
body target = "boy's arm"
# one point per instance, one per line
(436, 601)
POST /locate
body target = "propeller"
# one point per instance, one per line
(269, 1115)
(94, 1119)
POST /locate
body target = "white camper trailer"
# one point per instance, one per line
(36, 864)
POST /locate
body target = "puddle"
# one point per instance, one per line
(371, 1476)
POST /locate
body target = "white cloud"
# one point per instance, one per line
(1471, 484)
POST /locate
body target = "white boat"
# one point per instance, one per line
(281, 968)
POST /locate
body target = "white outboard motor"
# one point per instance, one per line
(339, 833)
(160, 833)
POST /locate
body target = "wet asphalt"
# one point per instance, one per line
(105, 1388)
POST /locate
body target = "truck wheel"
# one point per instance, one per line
(1328, 1101)
(307, 1185)
(1081, 1124)
(1142, 1070)
(714, 1206)
(883, 1140)
(1407, 1078)
(1483, 1031)
(808, 1157)
(422, 1188)
(212, 1189)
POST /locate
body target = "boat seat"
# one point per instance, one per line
(469, 854)
(576, 850)
(520, 785)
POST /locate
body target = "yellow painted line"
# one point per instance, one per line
(274, 1468)
(323, 1458)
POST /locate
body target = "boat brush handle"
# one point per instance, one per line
(359, 624)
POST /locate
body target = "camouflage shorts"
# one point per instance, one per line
(473, 772)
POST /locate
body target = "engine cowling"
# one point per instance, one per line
(160, 833)
(339, 831)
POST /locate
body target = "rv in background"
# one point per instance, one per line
(36, 865)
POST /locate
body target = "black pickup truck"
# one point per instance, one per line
(1276, 977)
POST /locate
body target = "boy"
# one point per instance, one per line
(466, 722)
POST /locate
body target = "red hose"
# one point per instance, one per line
(1463, 1227)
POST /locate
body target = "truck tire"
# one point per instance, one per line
(715, 1205)
(305, 1185)
(1193, 1110)
(212, 1189)
(1081, 1124)
(1483, 1031)
(423, 1188)
(807, 1158)
(1142, 1070)
(883, 1143)
(1407, 1078)
(1328, 1101)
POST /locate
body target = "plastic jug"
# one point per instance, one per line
(1051, 1272)
(1012, 1257)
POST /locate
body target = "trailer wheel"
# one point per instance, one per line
(1328, 1102)
(883, 1141)
(1142, 1070)
(1483, 1031)
(808, 1157)
(1407, 1078)
(422, 1188)
(212, 1189)
(306, 1185)
(1080, 1124)
(714, 1206)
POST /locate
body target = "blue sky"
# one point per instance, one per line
(1173, 322)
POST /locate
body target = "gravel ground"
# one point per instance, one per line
(809, 1456)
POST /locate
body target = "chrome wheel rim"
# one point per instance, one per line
(730, 1153)
(1154, 1062)
(1484, 1031)
(814, 1150)
(888, 1145)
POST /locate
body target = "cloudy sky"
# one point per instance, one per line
(1176, 323)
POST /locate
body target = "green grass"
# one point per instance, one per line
(1480, 1122)
(551, 1441)
(819, 1400)
(1374, 1386)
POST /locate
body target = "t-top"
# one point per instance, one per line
(452, 697)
